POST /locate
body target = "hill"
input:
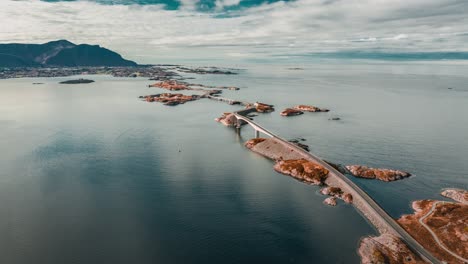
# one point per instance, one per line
(60, 53)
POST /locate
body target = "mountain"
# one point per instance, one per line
(59, 53)
(88, 55)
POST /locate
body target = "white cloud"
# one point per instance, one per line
(220, 4)
(152, 34)
(189, 4)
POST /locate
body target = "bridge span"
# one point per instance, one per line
(361, 200)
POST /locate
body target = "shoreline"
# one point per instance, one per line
(154, 72)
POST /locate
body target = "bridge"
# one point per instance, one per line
(223, 99)
(361, 200)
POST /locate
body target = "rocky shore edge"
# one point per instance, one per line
(440, 226)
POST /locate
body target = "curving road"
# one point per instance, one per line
(439, 243)
(390, 222)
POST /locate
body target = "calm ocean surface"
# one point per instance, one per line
(91, 174)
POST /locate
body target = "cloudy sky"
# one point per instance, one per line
(150, 31)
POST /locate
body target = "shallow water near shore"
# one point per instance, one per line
(91, 174)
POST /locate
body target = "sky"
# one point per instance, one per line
(161, 31)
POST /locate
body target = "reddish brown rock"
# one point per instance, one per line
(171, 85)
(386, 249)
(291, 112)
(347, 198)
(227, 119)
(170, 99)
(254, 141)
(330, 201)
(379, 174)
(336, 192)
(264, 108)
(310, 108)
(458, 195)
(303, 170)
(447, 220)
(332, 191)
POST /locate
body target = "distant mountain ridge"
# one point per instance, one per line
(62, 53)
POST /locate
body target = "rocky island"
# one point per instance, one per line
(458, 195)
(441, 227)
(77, 81)
(379, 174)
(386, 249)
(310, 108)
(227, 119)
(171, 85)
(336, 193)
(170, 98)
(300, 109)
(264, 108)
(302, 170)
(291, 112)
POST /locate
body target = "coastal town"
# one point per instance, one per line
(154, 72)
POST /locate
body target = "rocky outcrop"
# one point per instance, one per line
(253, 142)
(347, 198)
(170, 98)
(264, 108)
(336, 192)
(332, 191)
(302, 170)
(77, 81)
(171, 85)
(379, 174)
(458, 195)
(447, 220)
(291, 112)
(227, 119)
(330, 201)
(386, 249)
(310, 108)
